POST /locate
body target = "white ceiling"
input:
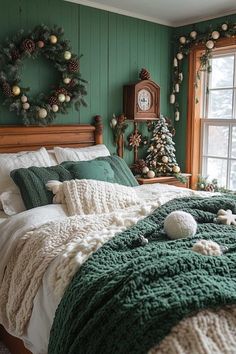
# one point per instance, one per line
(168, 12)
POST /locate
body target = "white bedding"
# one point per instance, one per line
(45, 303)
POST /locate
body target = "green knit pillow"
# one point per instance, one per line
(93, 169)
(121, 172)
(32, 183)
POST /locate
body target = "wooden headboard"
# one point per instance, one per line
(19, 138)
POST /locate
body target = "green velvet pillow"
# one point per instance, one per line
(93, 169)
(121, 172)
(31, 182)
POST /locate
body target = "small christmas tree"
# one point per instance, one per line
(161, 160)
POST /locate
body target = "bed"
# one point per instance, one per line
(102, 253)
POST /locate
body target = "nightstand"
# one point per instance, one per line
(167, 180)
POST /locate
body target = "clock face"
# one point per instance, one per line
(144, 100)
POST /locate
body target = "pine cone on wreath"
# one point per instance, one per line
(144, 74)
(73, 66)
(61, 91)
(15, 54)
(53, 100)
(6, 89)
(28, 45)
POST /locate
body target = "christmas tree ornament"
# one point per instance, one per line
(16, 90)
(145, 170)
(61, 97)
(42, 113)
(67, 55)
(226, 217)
(6, 89)
(113, 122)
(28, 45)
(40, 44)
(193, 34)
(177, 116)
(55, 108)
(224, 27)
(138, 167)
(215, 35)
(165, 159)
(175, 63)
(143, 240)
(66, 80)
(182, 40)
(24, 99)
(172, 98)
(144, 74)
(179, 56)
(26, 106)
(210, 44)
(53, 39)
(176, 169)
(163, 137)
(151, 174)
(73, 65)
(177, 88)
(12, 55)
(181, 76)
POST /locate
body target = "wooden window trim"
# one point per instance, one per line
(193, 139)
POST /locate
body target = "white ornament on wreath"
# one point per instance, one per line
(145, 170)
(24, 99)
(67, 80)
(55, 108)
(177, 116)
(182, 40)
(26, 106)
(67, 55)
(193, 34)
(165, 159)
(179, 56)
(177, 88)
(172, 98)
(53, 39)
(181, 76)
(151, 174)
(210, 44)
(224, 27)
(175, 63)
(176, 169)
(215, 35)
(61, 97)
(42, 113)
(67, 98)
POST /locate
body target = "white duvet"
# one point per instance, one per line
(46, 301)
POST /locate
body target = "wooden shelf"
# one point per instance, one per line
(166, 180)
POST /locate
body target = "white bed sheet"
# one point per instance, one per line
(45, 303)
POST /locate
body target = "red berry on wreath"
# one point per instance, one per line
(28, 45)
(6, 89)
(73, 66)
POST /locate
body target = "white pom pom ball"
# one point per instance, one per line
(180, 224)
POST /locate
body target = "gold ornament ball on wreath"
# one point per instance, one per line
(16, 90)
(67, 80)
(42, 113)
(53, 39)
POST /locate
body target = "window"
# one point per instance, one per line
(218, 120)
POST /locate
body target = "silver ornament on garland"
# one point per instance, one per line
(215, 35)
(193, 34)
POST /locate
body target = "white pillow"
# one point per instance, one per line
(12, 203)
(81, 154)
(9, 162)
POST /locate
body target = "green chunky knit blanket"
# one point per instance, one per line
(127, 297)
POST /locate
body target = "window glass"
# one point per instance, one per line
(216, 134)
(220, 104)
(222, 72)
(217, 168)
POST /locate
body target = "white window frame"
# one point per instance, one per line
(206, 122)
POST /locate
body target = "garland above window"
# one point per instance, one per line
(48, 42)
(208, 39)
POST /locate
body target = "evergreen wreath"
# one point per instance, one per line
(48, 42)
(185, 43)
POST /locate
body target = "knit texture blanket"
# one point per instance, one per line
(127, 297)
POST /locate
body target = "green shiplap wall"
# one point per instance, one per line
(181, 126)
(114, 49)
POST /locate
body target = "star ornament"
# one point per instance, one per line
(226, 217)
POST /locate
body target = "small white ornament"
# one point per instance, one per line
(67, 98)
(151, 148)
(113, 122)
(163, 136)
(180, 224)
(210, 44)
(226, 217)
(224, 27)
(67, 80)
(177, 88)
(215, 35)
(53, 39)
(24, 99)
(55, 108)
(182, 40)
(181, 76)
(42, 113)
(151, 174)
(193, 34)
(175, 63)
(165, 159)
(143, 240)
(145, 170)
(177, 116)
(179, 56)
(172, 98)
(61, 97)
(67, 55)
(207, 248)
(176, 169)
(202, 186)
(26, 106)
